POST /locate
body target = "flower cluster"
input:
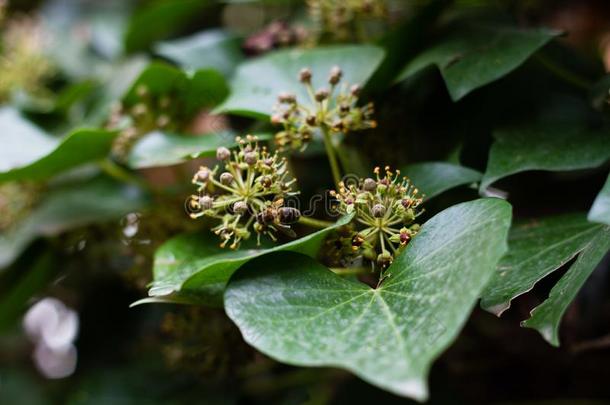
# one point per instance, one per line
(327, 111)
(23, 63)
(149, 113)
(342, 20)
(249, 193)
(385, 210)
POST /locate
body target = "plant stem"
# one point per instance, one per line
(332, 158)
(349, 271)
(315, 223)
(119, 173)
(563, 73)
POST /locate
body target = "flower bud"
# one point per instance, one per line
(226, 178)
(384, 259)
(369, 185)
(266, 181)
(251, 158)
(206, 202)
(142, 90)
(311, 120)
(321, 94)
(287, 98)
(355, 90)
(276, 119)
(305, 75)
(202, 175)
(378, 210)
(223, 153)
(335, 75)
(240, 207)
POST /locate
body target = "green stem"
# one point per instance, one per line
(315, 223)
(330, 153)
(564, 73)
(349, 271)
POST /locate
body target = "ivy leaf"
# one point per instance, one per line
(297, 311)
(202, 89)
(434, 178)
(215, 49)
(600, 211)
(194, 264)
(567, 147)
(471, 57)
(160, 19)
(546, 317)
(70, 206)
(28, 153)
(536, 249)
(257, 83)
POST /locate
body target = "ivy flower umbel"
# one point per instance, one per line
(331, 109)
(385, 211)
(248, 193)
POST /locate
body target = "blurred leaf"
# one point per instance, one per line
(204, 88)
(434, 178)
(194, 264)
(159, 19)
(30, 154)
(471, 57)
(535, 249)
(214, 49)
(549, 147)
(257, 82)
(546, 317)
(71, 206)
(297, 311)
(600, 211)
(21, 387)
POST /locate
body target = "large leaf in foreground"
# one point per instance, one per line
(546, 317)
(27, 153)
(194, 265)
(600, 211)
(297, 311)
(469, 58)
(68, 207)
(258, 82)
(536, 249)
(213, 49)
(434, 178)
(545, 148)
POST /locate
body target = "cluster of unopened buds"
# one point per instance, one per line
(385, 209)
(248, 193)
(149, 113)
(331, 109)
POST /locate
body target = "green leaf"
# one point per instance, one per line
(434, 178)
(536, 249)
(71, 206)
(297, 311)
(600, 211)
(215, 49)
(202, 89)
(554, 148)
(193, 264)
(257, 83)
(27, 153)
(160, 19)
(547, 316)
(471, 57)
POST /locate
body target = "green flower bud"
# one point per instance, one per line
(226, 178)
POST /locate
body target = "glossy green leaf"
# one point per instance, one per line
(546, 317)
(471, 57)
(536, 249)
(434, 178)
(297, 311)
(554, 148)
(201, 89)
(193, 264)
(68, 207)
(600, 211)
(28, 153)
(160, 19)
(215, 49)
(257, 83)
